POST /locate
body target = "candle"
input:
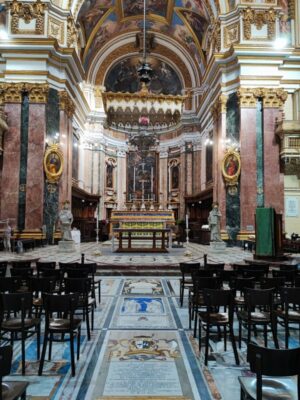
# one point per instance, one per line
(187, 221)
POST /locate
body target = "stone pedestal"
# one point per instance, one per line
(217, 247)
(66, 246)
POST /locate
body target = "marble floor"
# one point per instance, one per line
(141, 347)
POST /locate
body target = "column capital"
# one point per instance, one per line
(38, 92)
(246, 97)
(12, 92)
(272, 98)
(219, 106)
(27, 12)
(66, 103)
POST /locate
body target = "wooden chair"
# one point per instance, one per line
(259, 311)
(65, 304)
(92, 268)
(186, 278)
(279, 366)
(10, 390)
(290, 314)
(20, 306)
(214, 300)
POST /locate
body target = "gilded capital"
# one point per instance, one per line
(38, 92)
(247, 98)
(66, 103)
(11, 92)
(219, 106)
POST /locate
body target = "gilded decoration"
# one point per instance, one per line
(53, 163)
(231, 169)
(56, 30)
(272, 98)
(27, 12)
(291, 9)
(214, 37)
(231, 34)
(259, 19)
(72, 33)
(219, 106)
(12, 92)
(66, 103)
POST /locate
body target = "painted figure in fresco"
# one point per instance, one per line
(7, 237)
(109, 176)
(53, 163)
(231, 166)
(65, 220)
(214, 220)
(175, 177)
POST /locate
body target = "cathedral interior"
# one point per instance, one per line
(150, 107)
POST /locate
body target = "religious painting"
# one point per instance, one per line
(75, 157)
(109, 176)
(231, 169)
(123, 77)
(53, 163)
(196, 6)
(175, 177)
(231, 4)
(2, 16)
(91, 12)
(197, 23)
(141, 176)
(133, 8)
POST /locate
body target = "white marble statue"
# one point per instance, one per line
(65, 219)
(214, 221)
(7, 237)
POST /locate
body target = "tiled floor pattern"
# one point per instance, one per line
(141, 344)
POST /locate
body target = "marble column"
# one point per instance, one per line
(189, 169)
(163, 179)
(197, 171)
(35, 173)
(248, 182)
(67, 110)
(121, 183)
(11, 163)
(273, 178)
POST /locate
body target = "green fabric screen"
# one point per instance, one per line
(264, 231)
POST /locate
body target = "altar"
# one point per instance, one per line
(133, 228)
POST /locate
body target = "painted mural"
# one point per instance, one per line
(123, 77)
(91, 12)
(197, 23)
(284, 21)
(2, 16)
(196, 6)
(132, 8)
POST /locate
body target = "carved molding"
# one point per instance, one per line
(231, 34)
(56, 30)
(72, 32)
(12, 92)
(259, 18)
(66, 103)
(27, 12)
(272, 98)
(292, 12)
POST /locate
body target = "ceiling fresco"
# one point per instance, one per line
(185, 21)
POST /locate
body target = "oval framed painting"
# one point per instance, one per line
(53, 163)
(231, 167)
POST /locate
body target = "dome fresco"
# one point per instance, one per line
(123, 77)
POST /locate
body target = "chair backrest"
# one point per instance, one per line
(23, 273)
(21, 264)
(55, 273)
(188, 268)
(15, 302)
(242, 283)
(259, 297)
(289, 276)
(6, 353)
(268, 283)
(257, 274)
(42, 285)
(273, 362)
(227, 275)
(81, 272)
(3, 263)
(290, 295)
(78, 285)
(10, 284)
(297, 281)
(203, 282)
(91, 267)
(217, 297)
(45, 265)
(288, 267)
(214, 267)
(60, 303)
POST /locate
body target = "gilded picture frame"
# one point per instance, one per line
(53, 163)
(231, 167)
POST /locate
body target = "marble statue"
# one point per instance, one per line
(7, 237)
(214, 220)
(65, 219)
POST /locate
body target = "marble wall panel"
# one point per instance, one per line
(65, 144)
(273, 179)
(197, 172)
(35, 173)
(248, 185)
(11, 164)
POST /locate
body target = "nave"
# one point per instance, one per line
(141, 344)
